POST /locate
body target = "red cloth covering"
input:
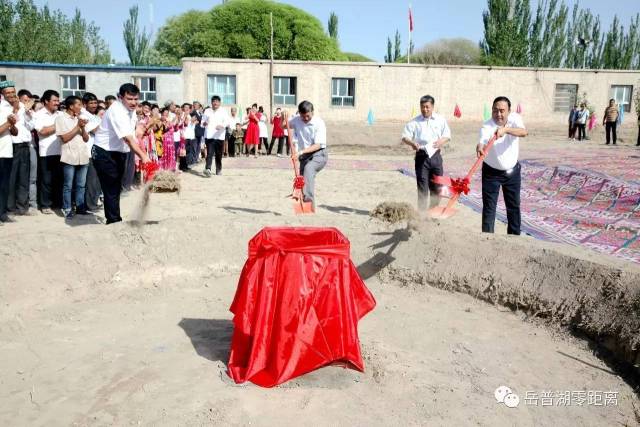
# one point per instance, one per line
(297, 306)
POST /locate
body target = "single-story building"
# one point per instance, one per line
(346, 91)
(156, 83)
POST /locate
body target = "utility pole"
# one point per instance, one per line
(271, 70)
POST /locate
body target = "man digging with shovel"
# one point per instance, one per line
(426, 134)
(311, 137)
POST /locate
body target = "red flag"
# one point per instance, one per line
(410, 20)
(456, 112)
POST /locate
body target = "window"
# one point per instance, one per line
(147, 86)
(284, 90)
(622, 95)
(3, 78)
(565, 97)
(343, 92)
(223, 86)
(73, 85)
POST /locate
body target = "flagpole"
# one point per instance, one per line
(410, 33)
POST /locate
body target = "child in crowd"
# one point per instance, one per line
(238, 134)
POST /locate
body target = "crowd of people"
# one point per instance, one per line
(80, 154)
(47, 154)
(581, 119)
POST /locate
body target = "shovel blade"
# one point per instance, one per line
(303, 208)
(442, 212)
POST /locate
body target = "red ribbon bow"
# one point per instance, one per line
(150, 169)
(457, 186)
(460, 186)
(298, 182)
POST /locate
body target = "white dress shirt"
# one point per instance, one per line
(190, 130)
(6, 142)
(93, 121)
(117, 123)
(24, 125)
(505, 151)
(213, 118)
(307, 134)
(47, 145)
(262, 126)
(425, 131)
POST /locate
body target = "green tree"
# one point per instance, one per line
(456, 51)
(556, 38)
(506, 32)
(136, 40)
(389, 56)
(357, 57)
(548, 37)
(397, 47)
(333, 26)
(241, 29)
(30, 34)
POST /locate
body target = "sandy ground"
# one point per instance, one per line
(123, 325)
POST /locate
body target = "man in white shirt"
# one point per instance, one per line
(92, 186)
(427, 134)
(18, 201)
(501, 167)
(310, 134)
(215, 121)
(8, 130)
(50, 175)
(113, 139)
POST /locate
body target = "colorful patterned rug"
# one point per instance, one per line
(586, 198)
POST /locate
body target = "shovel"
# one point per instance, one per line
(458, 186)
(299, 205)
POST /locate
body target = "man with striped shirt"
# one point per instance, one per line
(610, 121)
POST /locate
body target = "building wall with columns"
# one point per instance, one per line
(392, 91)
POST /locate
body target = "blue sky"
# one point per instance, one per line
(363, 24)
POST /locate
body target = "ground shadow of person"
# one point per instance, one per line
(344, 210)
(211, 338)
(380, 260)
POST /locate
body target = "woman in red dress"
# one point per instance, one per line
(252, 136)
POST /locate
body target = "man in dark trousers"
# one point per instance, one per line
(501, 167)
(610, 121)
(426, 134)
(113, 139)
(92, 188)
(193, 150)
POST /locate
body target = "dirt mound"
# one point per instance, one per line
(599, 301)
(165, 182)
(393, 212)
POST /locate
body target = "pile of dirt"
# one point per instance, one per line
(165, 182)
(393, 212)
(599, 301)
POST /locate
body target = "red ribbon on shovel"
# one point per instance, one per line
(299, 205)
(458, 186)
(150, 169)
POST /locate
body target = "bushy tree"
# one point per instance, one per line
(241, 29)
(32, 34)
(356, 57)
(458, 51)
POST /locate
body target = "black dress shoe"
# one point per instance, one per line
(5, 218)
